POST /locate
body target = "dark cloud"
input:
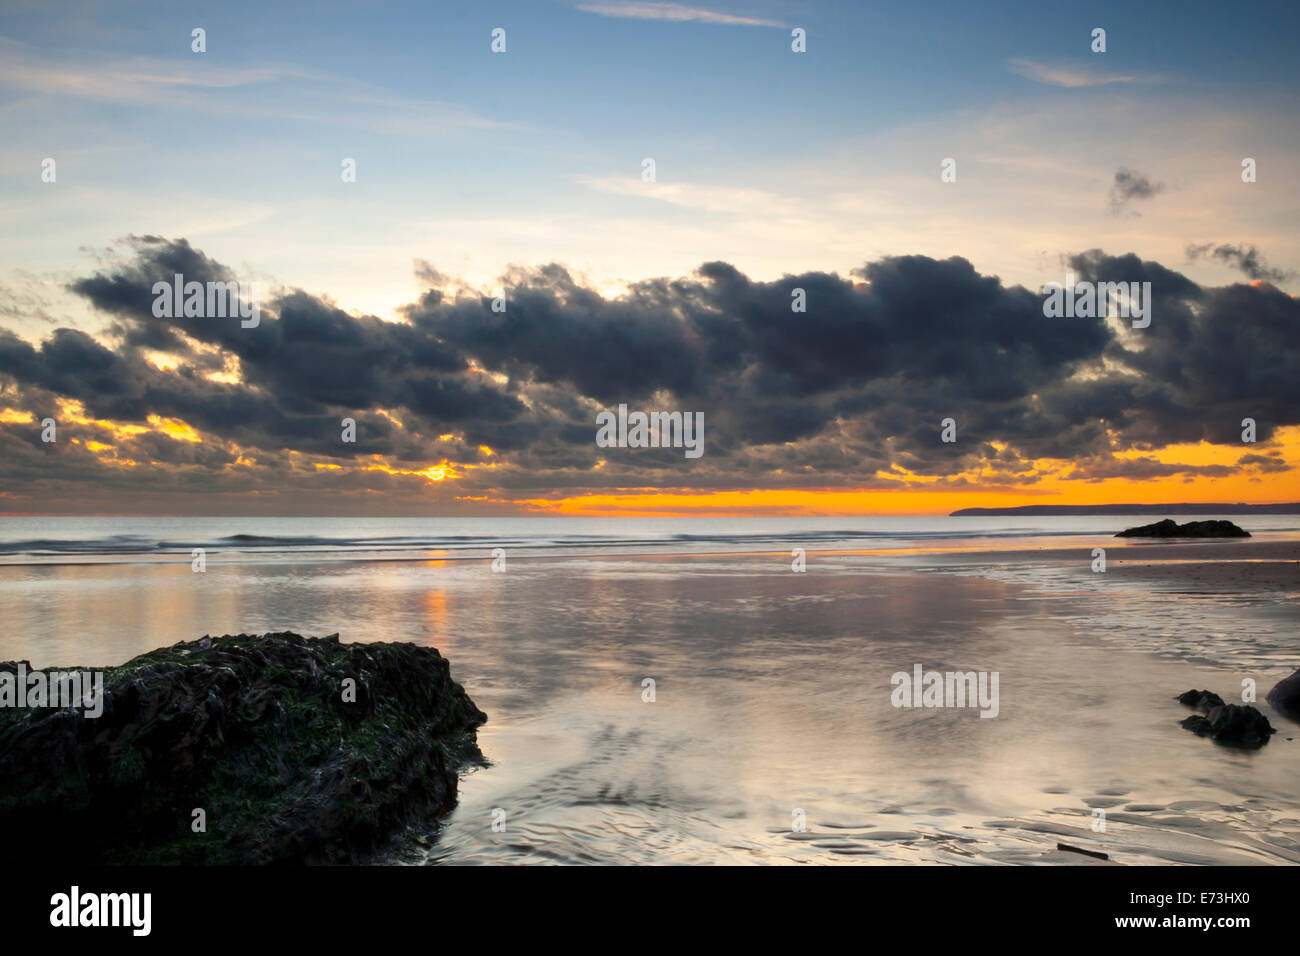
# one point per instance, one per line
(1130, 185)
(850, 392)
(1242, 256)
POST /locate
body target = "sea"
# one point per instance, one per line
(726, 690)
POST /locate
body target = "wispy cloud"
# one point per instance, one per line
(1130, 186)
(676, 12)
(137, 79)
(1243, 256)
(190, 83)
(1071, 76)
(731, 200)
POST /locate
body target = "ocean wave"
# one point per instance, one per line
(49, 540)
(135, 544)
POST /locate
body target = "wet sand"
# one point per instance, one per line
(1130, 552)
(774, 694)
(1218, 566)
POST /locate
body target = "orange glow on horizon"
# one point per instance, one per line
(928, 495)
(902, 493)
(1268, 472)
(829, 502)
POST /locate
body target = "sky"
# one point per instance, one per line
(519, 177)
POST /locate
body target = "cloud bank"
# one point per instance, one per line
(460, 402)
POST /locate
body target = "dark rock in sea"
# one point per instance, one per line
(256, 732)
(1225, 723)
(1202, 700)
(1169, 528)
(1285, 696)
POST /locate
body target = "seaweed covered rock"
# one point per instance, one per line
(1226, 723)
(1169, 528)
(294, 749)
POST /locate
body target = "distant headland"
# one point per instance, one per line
(1293, 508)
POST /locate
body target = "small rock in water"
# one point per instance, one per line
(1225, 723)
(1202, 700)
(1285, 696)
(1169, 528)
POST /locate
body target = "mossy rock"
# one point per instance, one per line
(255, 731)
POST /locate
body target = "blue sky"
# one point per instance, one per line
(475, 170)
(774, 161)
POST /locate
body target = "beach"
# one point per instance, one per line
(770, 735)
